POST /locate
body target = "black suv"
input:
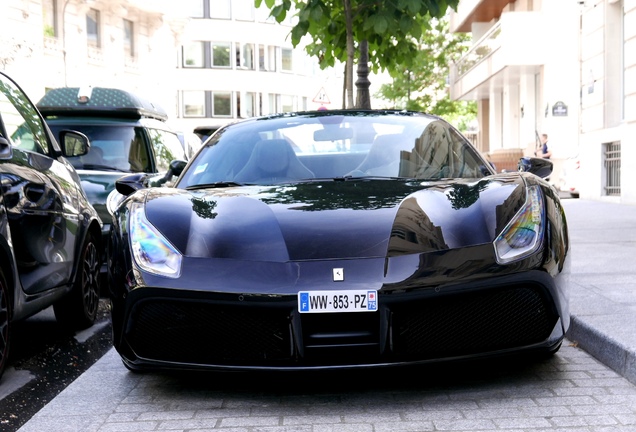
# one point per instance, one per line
(128, 134)
(49, 233)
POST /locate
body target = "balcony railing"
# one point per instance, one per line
(485, 47)
(52, 45)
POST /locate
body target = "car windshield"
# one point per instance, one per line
(334, 145)
(113, 148)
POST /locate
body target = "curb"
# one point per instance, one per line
(604, 348)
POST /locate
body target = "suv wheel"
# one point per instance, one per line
(79, 308)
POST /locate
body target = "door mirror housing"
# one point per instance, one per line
(537, 166)
(74, 143)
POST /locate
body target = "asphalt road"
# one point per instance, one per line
(44, 359)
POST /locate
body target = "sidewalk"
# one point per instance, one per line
(603, 282)
(602, 302)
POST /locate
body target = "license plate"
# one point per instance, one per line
(337, 301)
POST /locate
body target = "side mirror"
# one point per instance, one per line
(176, 167)
(128, 184)
(74, 143)
(537, 166)
(174, 170)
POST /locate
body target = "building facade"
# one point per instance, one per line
(206, 62)
(608, 100)
(561, 67)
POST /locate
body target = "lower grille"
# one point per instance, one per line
(202, 333)
(406, 329)
(467, 324)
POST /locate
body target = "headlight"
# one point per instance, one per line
(151, 251)
(523, 235)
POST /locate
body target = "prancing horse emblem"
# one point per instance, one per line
(338, 274)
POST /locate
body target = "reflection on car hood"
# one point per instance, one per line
(335, 220)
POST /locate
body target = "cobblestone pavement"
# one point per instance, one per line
(571, 391)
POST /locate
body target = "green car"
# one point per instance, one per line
(127, 133)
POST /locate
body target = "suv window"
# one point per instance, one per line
(22, 123)
(167, 148)
(117, 148)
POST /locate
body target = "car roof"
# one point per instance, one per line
(98, 102)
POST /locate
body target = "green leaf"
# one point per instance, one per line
(381, 25)
(297, 34)
(406, 24)
(279, 13)
(414, 6)
(316, 13)
(304, 15)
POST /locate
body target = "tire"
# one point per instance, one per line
(5, 324)
(78, 309)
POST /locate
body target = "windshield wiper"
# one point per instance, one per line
(219, 184)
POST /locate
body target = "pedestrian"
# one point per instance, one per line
(544, 150)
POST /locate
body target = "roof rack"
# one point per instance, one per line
(98, 101)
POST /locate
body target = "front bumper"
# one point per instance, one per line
(168, 328)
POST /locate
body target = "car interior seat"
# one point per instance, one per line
(385, 157)
(273, 160)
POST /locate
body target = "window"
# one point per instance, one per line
(167, 148)
(246, 104)
(273, 104)
(194, 8)
(271, 55)
(21, 122)
(245, 56)
(286, 60)
(266, 58)
(221, 54)
(129, 41)
(222, 104)
(219, 9)
(194, 104)
(287, 102)
(243, 10)
(138, 158)
(201, 103)
(49, 18)
(92, 28)
(263, 14)
(193, 54)
(612, 162)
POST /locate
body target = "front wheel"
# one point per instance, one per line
(5, 328)
(78, 309)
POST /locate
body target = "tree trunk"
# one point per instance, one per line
(350, 53)
(344, 88)
(363, 98)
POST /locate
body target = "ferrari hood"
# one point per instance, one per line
(334, 220)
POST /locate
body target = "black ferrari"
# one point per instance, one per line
(337, 239)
